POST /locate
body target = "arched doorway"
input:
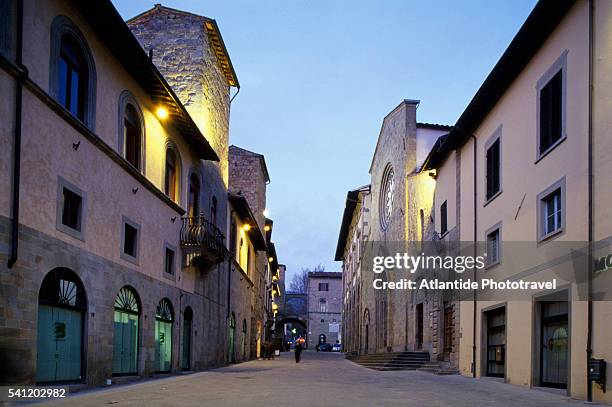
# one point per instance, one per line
(61, 314)
(230, 338)
(366, 335)
(164, 316)
(125, 343)
(186, 345)
(243, 345)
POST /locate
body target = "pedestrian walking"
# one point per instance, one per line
(298, 352)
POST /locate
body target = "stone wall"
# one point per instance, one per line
(102, 279)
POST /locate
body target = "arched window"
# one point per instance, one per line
(132, 130)
(233, 237)
(387, 194)
(61, 312)
(164, 315)
(72, 79)
(213, 211)
(244, 339)
(172, 175)
(193, 204)
(125, 344)
(186, 345)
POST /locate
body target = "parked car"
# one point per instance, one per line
(337, 347)
(325, 347)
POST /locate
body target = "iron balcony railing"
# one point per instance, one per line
(200, 235)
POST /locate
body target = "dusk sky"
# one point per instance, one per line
(317, 79)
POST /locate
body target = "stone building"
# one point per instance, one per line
(526, 171)
(394, 215)
(248, 178)
(114, 207)
(324, 304)
(354, 232)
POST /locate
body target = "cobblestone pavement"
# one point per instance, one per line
(321, 379)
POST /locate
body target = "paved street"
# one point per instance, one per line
(321, 379)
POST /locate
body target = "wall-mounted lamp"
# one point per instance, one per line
(267, 228)
(161, 113)
(134, 190)
(246, 227)
(270, 259)
(266, 213)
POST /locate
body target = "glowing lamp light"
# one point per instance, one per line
(274, 278)
(270, 259)
(274, 306)
(246, 227)
(267, 228)
(161, 113)
(266, 213)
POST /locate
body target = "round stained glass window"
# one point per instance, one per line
(386, 197)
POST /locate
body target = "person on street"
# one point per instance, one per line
(298, 351)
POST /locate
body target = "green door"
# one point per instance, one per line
(163, 345)
(60, 334)
(125, 346)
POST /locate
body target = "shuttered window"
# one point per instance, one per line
(443, 218)
(493, 169)
(551, 112)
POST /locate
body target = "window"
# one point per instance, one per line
(171, 184)
(493, 163)
(494, 245)
(323, 286)
(233, 237)
(72, 76)
(322, 305)
(387, 194)
(71, 211)
(551, 106)
(129, 240)
(443, 218)
(551, 210)
(193, 204)
(132, 136)
(7, 27)
(71, 204)
(169, 261)
(551, 216)
(131, 130)
(550, 112)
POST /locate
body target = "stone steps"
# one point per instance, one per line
(392, 360)
(438, 368)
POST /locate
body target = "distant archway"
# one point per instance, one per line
(292, 319)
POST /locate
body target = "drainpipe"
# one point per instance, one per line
(589, 350)
(474, 316)
(21, 76)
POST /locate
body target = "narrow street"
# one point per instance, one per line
(321, 379)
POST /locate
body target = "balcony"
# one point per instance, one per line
(202, 242)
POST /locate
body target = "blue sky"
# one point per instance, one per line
(317, 78)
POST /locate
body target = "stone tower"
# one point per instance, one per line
(189, 52)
